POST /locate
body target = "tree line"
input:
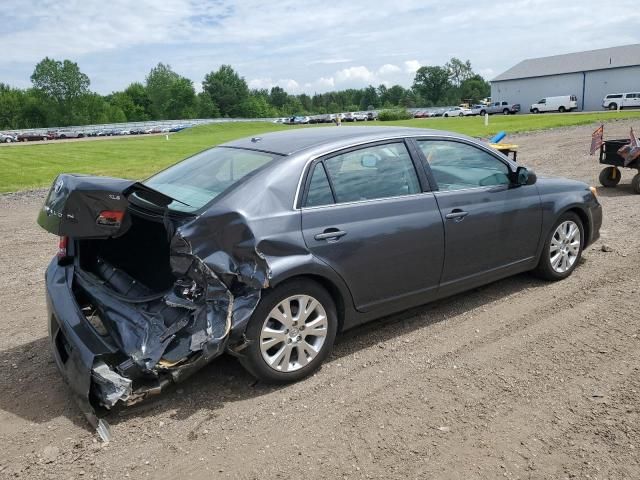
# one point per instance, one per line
(60, 95)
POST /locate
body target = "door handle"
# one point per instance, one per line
(330, 233)
(456, 214)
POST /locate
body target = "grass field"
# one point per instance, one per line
(31, 166)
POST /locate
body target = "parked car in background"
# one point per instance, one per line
(8, 138)
(476, 109)
(32, 136)
(622, 100)
(62, 134)
(300, 120)
(503, 107)
(154, 280)
(562, 103)
(456, 112)
(360, 116)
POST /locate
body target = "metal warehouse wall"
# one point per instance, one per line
(597, 84)
(526, 91)
(601, 82)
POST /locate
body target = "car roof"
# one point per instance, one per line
(300, 139)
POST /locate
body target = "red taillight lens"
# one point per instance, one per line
(62, 247)
(110, 218)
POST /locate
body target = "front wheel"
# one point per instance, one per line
(610, 177)
(535, 110)
(291, 332)
(562, 249)
(561, 109)
(613, 106)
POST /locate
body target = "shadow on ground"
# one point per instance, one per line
(34, 390)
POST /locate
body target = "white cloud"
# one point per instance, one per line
(411, 66)
(388, 68)
(317, 45)
(287, 84)
(359, 73)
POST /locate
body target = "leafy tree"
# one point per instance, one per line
(432, 83)
(62, 81)
(395, 94)
(278, 97)
(459, 71)
(205, 107)
(227, 89)
(369, 99)
(475, 89)
(158, 87)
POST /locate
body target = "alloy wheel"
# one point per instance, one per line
(565, 246)
(293, 333)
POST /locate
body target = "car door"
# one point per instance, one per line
(491, 225)
(368, 214)
(632, 100)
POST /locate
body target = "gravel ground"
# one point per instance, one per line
(518, 379)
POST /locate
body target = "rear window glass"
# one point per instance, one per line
(198, 180)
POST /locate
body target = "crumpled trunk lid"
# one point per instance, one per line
(83, 206)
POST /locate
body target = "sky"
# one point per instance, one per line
(302, 45)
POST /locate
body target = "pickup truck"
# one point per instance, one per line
(505, 108)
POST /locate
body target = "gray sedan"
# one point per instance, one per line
(268, 247)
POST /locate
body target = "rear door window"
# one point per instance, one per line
(379, 171)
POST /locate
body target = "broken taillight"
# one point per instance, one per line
(110, 218)
(63, 242)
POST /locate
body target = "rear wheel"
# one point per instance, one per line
(483, 112)
(635, 183)
(610, 177)
(505, 111)
(562, 249)
(561, 109)
(291, 332)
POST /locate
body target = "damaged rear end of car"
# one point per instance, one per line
(142, 292)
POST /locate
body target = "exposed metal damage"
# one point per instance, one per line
(162, 337)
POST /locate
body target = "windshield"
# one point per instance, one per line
(198, 180)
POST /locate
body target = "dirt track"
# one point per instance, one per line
(519, 379)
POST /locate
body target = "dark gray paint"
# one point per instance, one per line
(397, 253)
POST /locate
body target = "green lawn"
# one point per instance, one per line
(32, 166)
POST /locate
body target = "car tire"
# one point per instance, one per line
(461, 115)
(483, 112)
(610, 177)
(275, 357)
(535, 110)
(505, 111)
(635, 183)
(561, 109)
(613, 106)
(562, 248)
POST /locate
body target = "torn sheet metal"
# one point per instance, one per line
(110, 387)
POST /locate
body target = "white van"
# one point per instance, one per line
(563, 103)
(622, 100)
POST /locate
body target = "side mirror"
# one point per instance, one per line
(524, 176)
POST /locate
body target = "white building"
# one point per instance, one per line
(589, 75)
